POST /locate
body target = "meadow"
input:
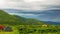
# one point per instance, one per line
(39, 29)
(33, 29)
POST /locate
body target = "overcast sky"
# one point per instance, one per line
(30, 4)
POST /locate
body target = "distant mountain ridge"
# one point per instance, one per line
(53, 23)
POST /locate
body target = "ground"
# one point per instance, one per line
(36, 31)
(15, 31)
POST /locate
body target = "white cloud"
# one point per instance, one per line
(26, 14)
(28, 4)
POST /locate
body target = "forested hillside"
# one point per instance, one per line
(6, 18)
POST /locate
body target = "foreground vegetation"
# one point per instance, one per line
(33, 29)
(39, 29)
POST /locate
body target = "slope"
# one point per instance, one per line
(6, 18)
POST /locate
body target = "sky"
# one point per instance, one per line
(30, 4)
(45, 10)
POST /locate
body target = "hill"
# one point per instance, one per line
(29, 21)
(6, 18)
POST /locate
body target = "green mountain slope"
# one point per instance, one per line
(29, 21)
(6, 18)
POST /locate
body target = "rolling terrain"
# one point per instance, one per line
(21, 25)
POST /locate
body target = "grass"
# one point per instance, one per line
(36, 31)
(15, 31)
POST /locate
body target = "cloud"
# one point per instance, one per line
(22, 14)
(29, 4)
(46, 15)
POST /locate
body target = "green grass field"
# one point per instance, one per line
(15, 31)
(33, 29)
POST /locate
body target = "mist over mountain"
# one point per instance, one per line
(6, 18)
(43, 15)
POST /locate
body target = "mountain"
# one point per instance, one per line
(6, 18)
(50, 22)
(29, 21)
